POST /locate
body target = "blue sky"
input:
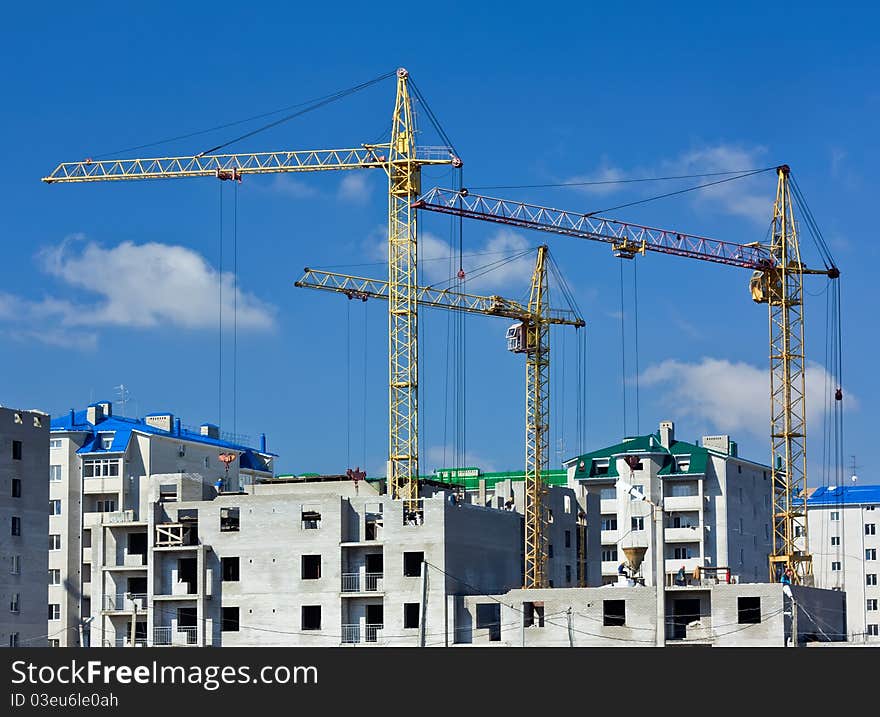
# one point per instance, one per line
(104, 284)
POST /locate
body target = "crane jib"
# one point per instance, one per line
(631, 238)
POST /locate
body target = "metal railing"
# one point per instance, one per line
(372, 632)
(351, 582)
(161, 635)
(351, 634)
(371, 582)
(171, 636)
(124, 601)
(187, 635)
(125, 642)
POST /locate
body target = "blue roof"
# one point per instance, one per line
(844, 495)
(121, 428)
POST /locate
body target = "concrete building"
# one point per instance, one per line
(708, 614)
(24, 520)
(100, 473)
(843, 533)
(715, 507)
(318, 561)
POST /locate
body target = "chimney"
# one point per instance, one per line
(72, 417)
(262, 443)
(95, 414)
(162, 421)
(210, 430)
(667, 434)
(107, 408)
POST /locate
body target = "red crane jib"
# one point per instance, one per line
(632, 238)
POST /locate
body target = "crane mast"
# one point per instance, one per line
(530, 336)
(537, 350)
(777, 280)
(788, 423)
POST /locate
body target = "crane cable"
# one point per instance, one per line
(317, 102)
(220, 320)
(636, 337)
(622, 347)
(235, 312)
(604, 182)
(326, 100)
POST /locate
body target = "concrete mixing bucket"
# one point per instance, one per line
(634, 557)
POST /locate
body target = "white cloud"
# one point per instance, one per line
(732, 397)
(132, 285)
(748, 197)
(145, 285)
(600, 176)
(354, 187)
(438, 268)
(290, 187)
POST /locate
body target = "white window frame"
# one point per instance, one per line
(100, 467)
(835, 566)
(15, 565)
(870, 553)
(873, 630)
(871, 579)
(55, 473)
(55, 443)
(835, 515)
(609, 555)
(55, 506)
(54, 576)
(871, 604)
(56, 611)
(637, 523)
(15, 603)
(870, 529)
(54, 544)
(835, 540)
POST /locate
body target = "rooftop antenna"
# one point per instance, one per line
(124, 396)
(853, 476)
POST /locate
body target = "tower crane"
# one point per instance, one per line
(402, 161)
(529, 336)
(777, 280)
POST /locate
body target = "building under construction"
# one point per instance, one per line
(331, 560)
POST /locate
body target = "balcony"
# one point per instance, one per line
(681, 503)
(124, 602)
(683, 534)
(125, 642)
(354, 635)
(362, 582)
(178, 637)
(118, 516)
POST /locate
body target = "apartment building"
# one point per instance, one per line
(313, 561)
(844, 533)
(24, 520)
(708, 613)
(100, 469)
(714, 506)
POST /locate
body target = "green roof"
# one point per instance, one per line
(590, 465)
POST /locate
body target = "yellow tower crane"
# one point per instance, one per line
(402, 161)
(777, 280)
(529, 336)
